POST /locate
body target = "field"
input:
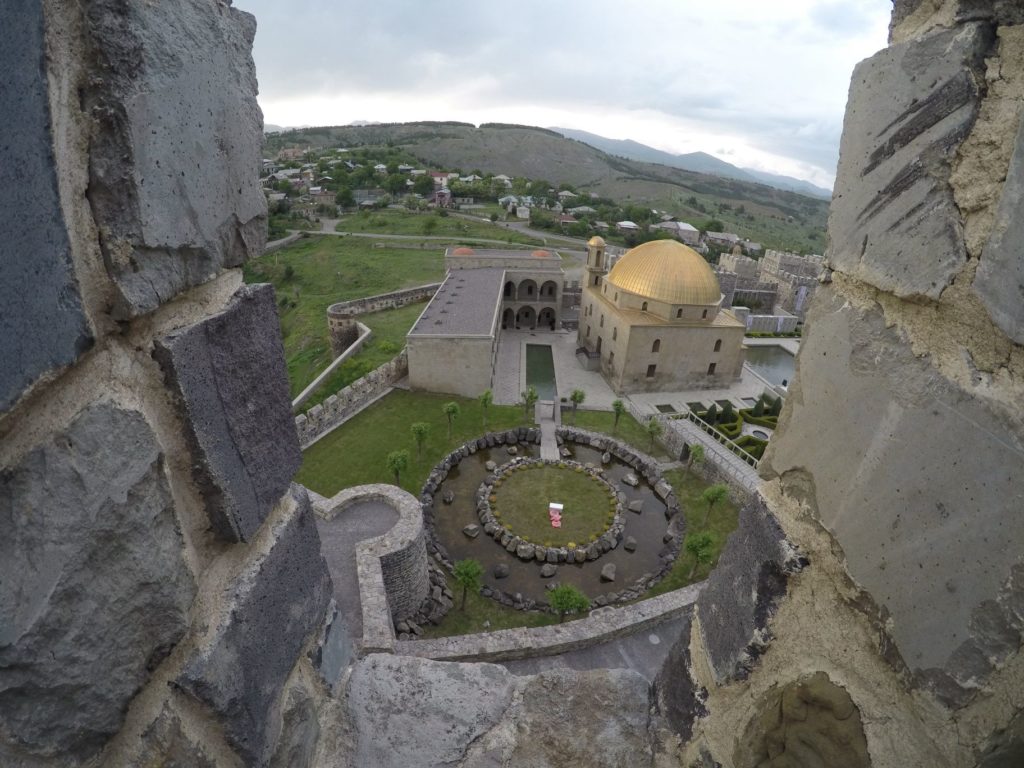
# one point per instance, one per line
(320, 270)
(411, 224)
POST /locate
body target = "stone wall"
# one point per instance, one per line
(161, 582)
(881, 578)
(339, 407)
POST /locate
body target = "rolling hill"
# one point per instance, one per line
(778, 218)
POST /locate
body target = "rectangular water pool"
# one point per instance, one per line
(540, 371)
(773, 363)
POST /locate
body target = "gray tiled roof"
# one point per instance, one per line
(464, 305)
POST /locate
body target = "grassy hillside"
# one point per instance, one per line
(775, 217)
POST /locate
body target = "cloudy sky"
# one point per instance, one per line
(757, 83)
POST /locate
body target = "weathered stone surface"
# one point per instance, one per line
(547, 571)
(742, 592)
(940, 501)
(562, 717)
(408, 711)
(678, 697)
(500, 571)
(94, 590)
(893, 222)
(300, 729)
(275, 605)
(229, 373)
(608, 572)
(631, 479)
(1000, 278)
(472, 530)
(811, 722)
(637, 505)
(40, 307)
(166, 743)
(173, 182)
(629, 544)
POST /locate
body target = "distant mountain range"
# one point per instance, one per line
(699, 162)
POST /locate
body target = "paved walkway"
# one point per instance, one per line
(548, 415)
(737, 468)
(643, 651)
(338, 539)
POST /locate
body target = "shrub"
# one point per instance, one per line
(711, 414)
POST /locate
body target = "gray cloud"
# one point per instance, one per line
(779, 81)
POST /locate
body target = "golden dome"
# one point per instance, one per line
(666, 271)
(596, 240)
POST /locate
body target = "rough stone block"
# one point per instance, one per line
(409, 711)
(679, 698)
(918, 480)
(893, 222)
(94, 591)
(175, 157)
(166, 742)
(742, 592)
(1000, 278)
(273, 608)
(230, 376)
(40, 307)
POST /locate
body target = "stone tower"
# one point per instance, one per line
(597, 264)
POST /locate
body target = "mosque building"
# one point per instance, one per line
(654, 322)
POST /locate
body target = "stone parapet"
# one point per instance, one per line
(602, 625)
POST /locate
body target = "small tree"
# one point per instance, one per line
(654, 430)
(451, 410)
(420, 430)
(728, 414)
(485, 402)
(467, 575)
(618, 408)
(565, 598)
(530, 398)
(696, 456)
(398, 462)
(711, 496)
(711, 414)
(577, 397)
(759, 407)
(699, 546)
(776, 406)
(429, 226)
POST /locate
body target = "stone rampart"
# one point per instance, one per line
(339, 407)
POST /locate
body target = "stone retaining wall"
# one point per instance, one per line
(336, 409)
(393, 575)
(356, 307)
(602, 625)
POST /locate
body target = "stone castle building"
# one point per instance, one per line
(655, 322)
(453, 343)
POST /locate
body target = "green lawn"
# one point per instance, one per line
(480, 610)
(389, 328)
(355, 453)
(721, 522)
(394, 222)
(327, 269)
(630, 430)
(521, 505)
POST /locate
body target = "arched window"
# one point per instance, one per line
(656, 346)
(711, 369)
(643, 307)
(679, 313)
(601, 324)
(704, 314)
(615, 334)
(588, 331)
(718, 346)
(616, 296)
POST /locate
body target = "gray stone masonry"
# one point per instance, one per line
(278, 602)
(678, 697)
(1000, 278)
(44, 325)
(173, 182)
(937, 563)
(229, 373)
(84, 620)
(890, 220)
(742, 591)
